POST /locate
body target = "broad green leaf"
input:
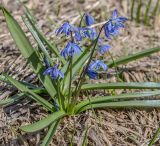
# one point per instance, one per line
(77, 65)
(5, 80)
(27, 51)
(35, 96)
(105, 99)
(36, 37)
(129, 58)
(15, 98)
(50, 134)
(41, 36)
(44, 122)
(124, 104)
(12, 99)
(131, 85)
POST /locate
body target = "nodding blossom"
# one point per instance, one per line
(104, 48)
(70, 49)
(112, 27)
(66, 28)
(88, 19)
(53, 72)
(94, 67)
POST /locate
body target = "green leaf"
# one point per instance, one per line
(36, 37)
(153, 140)
(124, 104)
(15, 98)
(129, 58)
(50, 134)
(105, 99)
(44, 122)
(77, 65)
(41, 36)
(27, 51)
(12, 99)
(36, 97)
(131, 85)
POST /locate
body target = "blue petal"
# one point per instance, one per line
(104, 48)
(92, 74)
(114, 14)
(89, 20)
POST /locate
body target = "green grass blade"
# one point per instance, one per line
(132, 10)
(133, 57)
(50, 134)
(139, 11)
(153, 140)
(131, 85)
(27, 51)
(35, 96)
(155, 8)
(125, 104)
(146, 18)
(127, 96)
(43, 123)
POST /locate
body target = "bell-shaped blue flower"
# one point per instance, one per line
(70, 49)
(104, 48)
(112, 27)
(91, 73)
(94, 67)
(66, 28)
(91, 33)
(53, 72)
(89, 19)
(98, 64)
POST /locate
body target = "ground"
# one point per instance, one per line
(108, 127)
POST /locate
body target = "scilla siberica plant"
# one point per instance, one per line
(65, 79)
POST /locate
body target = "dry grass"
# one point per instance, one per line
(127, 127)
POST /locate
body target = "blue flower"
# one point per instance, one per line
(89, 19)
(78, 33)
(94, 67)
(70, 49)
(91, 73)
(112, 27)
(91, 33)
(54, 72)
(66, 28)
(104, 48)
(98, 64)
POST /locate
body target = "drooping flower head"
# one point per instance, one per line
(70, 49)
(94, 67)
(88, 19)
(112, 27)
(91, 33)
(66, 28)
(104, 48)
(98, 64)
(53, 72)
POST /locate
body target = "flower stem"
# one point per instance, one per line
(70, 83)
(77, 90)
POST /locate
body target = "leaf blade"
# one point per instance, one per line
(123, 85)
(27, 51)
(43, 123)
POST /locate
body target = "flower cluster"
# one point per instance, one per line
(77, 34)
